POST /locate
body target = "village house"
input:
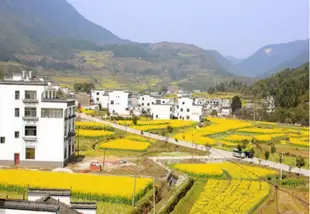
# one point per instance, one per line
(118, 102)
(47, 201)
(100, 96)
(186, 109)
(29, 109)
(163, 109)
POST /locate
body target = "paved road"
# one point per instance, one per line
(214, 153)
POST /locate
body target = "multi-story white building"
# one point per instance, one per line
(163, 111)
(100, 96)
(145, 102)
(36, 126)
(118, 103)
(186, 109)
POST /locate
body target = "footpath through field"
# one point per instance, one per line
(214, 153)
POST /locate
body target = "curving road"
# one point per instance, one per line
(214, 153)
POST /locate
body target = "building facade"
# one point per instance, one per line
(118, 103)
(36, 126)
(100, 96)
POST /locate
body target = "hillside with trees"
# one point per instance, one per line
(290, 88)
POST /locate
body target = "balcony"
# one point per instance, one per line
(30, 101)
(30, 138)
(30, 118)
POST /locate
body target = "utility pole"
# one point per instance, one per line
(103, 163)
(154, 196)
(277, 200)
(79, 139)
(134, 185)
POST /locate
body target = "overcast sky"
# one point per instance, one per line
(233, 27)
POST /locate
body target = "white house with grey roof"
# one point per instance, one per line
(187, 109)
(36, 125)
(47, 201)
(100, 96)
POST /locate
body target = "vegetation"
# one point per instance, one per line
(84, 87)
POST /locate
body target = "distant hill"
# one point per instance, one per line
(233, 60)
(271, 56)
(299, 60)
(36, 26)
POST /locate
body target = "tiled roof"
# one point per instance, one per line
(28, 205)
(51, 192)
(63, 208)
(83, 205)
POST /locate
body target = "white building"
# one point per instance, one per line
(47, 201)
(36, 126)
(200, 101)
(100, 96)
(163, 111)
(118, 103)
(145, 102)
(186, 109)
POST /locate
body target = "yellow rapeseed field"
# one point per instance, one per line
(125, 144)
(261, 130)
(89, 125)
(199, 169)
(93, 133)
(299, 141)
(236, 137)
(231, 197)
(98, 186)
(236, 171)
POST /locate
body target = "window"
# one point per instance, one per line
(142, 98)
(30, 95)
(183, 103)
(30, 153)
(142, 104)
(181, 110)
(156, 115)
(30, 131)
(16, 134)
(112, 102)
(177, 107)
(148, 104)
(16, 112)
(30, 112)
(187, 110)
(16, 95)
(2, 139)
(52, 113)
(97, 99)
(170, 108)
(97, 93)
(152, 102)
(187, 117)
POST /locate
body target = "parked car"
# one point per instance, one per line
(238, 154)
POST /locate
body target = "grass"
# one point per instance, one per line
(185, 204)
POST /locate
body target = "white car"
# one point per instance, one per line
(238, 154)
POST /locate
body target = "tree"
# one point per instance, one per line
(245, 143)
(83, 87)
(169, 129)
(236, 103)
(267, 154)
(273, 149)
(300, 162)
(214, 113)
(135, 120)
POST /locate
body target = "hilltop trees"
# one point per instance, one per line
(236, 103)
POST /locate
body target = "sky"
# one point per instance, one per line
(232, 27)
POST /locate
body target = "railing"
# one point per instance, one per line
(30, 118)
(30, 138)
(30, 100)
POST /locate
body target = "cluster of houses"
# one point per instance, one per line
(183, 107)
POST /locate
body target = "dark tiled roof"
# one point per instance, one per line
(28, 205)
(63, 208)
(51, 192)
(83, 205)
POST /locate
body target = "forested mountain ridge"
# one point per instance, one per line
(290, 88)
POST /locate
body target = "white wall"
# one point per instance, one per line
(100, 96)
(86, 211)
(50, 131)
(118, 102)
(11, 211)
(146, 101)
(161, 111)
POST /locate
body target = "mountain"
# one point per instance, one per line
(224, 62)
(233, 60)
(299, 60)
(271, 56)
(36, 26)
(51, 38)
